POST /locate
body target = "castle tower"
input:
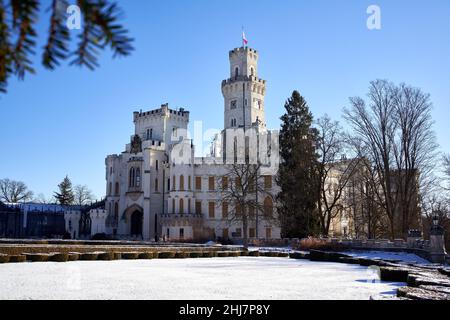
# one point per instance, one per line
(243, 91)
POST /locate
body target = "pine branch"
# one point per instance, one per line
(100, 30)
(57, 44)
(5, 50)
(25, 14)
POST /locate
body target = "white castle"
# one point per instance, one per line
(151, 193)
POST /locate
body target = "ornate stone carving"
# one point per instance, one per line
(136, 144)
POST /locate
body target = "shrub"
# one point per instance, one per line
(166, 254)
(244, 253)
(209, 254)
(89, 256)
(234, 254)
(298, 255)
(254, 253)
(182, 254)
(105, 256)
(195, 254)
(283, 254)
(146, 255)
(59, 257)
(117, 255)
(37, 257)
(222, 254)
(4, 258)
(74, 256)
(130, 255)
(271, 254)
(17, 258)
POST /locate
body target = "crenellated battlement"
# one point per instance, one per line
(242, 50)
(243, 78)
(164, 110)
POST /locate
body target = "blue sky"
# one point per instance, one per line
(67, 121)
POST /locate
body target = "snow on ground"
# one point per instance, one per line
(209, 278)
(402, 256)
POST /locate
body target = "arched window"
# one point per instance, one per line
(252, 71)
(116, 189)
(236, 72)
(173, 183)
(181, 186)
(268, 207)
(138, 177)
(173, 205)
(189, 183)
(116, 212)
(181, 209)
(110, 188)
(131, 177)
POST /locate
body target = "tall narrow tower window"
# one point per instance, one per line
(252, 71)
(236, 72)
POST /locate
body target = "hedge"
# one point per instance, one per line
(234, 254)
(166, 254)
(222, 254)
(74, 256)
(89, 256)
(182, 254)
(4, 258)
(106, 256)
(59, 257)
(146, 255)
(209, 254)
(17, 258)
(37, 257)
(117, 255)
(195, 254)
(253, 253)
(130, 255)
(283, 254)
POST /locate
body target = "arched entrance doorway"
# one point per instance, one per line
(136, 223)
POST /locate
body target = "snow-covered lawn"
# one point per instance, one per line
(208, 278)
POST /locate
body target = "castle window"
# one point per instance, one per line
(189, 205)
(224, 210)
(251, 232)
(131, 177)
(224, 183)
(236, 72)
(156, 165)
(211, 210)
(173, 205)
(110, 188)
(267, 182)
(198, 183)
(181, 209)
(181, 233)
(268, 207)
(189, 183)
(198, 207)
(116, 191)
(173, 183)
(211, 183)
(181, 187)
(252, 71)
(233, 104)
(138, 177)
(268, 233)
(156, 185)
(116, 212)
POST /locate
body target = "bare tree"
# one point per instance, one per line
(395, 131)
(14, 191)
(41, 198)
(446, 160)
(335, 172)
(82, 195)
(239, 188)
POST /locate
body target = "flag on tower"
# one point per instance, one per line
(244, 39)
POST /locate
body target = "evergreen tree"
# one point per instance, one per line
(297, 174)
(65, 195)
